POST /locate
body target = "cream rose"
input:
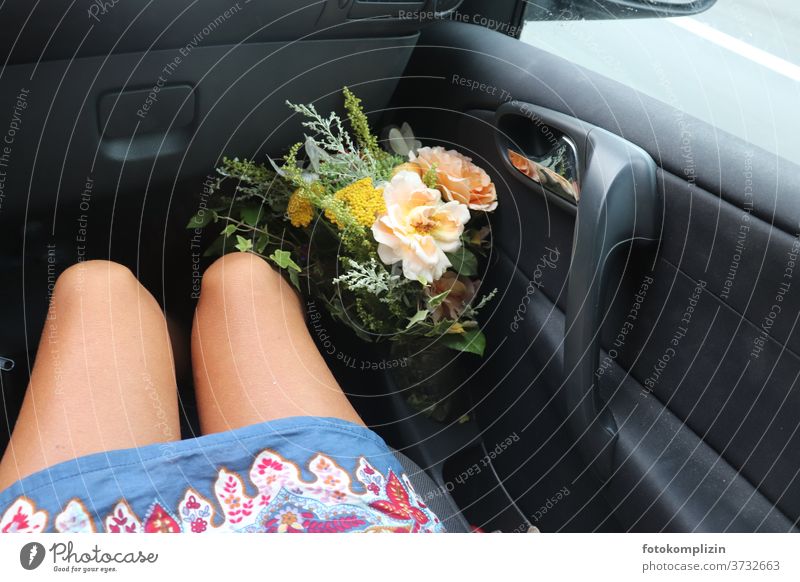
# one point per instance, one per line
(458, 177)
(418, 228)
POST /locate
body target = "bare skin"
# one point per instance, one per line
(253, 358)
(104, 376)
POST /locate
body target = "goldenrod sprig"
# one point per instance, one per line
(358, 120)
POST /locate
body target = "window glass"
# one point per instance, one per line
(735, 66)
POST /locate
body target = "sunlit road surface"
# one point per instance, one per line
(736, 66)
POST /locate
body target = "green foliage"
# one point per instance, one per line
(372, 278)
(464, 262)
(252, 181)
(384, 167)
(202, 218)
(473, 310)
(284, 260)
(358, 120)
(418, 317)
(340, 161)
(250, 215)
(437, 300)
(291, 170)
(243, 244)
(357, 244)
(430, 177)
(472, 341)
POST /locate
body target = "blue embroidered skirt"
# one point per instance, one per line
(301, 474)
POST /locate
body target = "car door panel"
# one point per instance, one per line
(741, 405)
(711, 418)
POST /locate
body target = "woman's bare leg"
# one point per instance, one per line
(253, 357)
(103, 377)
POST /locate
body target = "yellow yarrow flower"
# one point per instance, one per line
(363, 201)
(299, 210)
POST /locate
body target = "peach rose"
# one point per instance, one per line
(459, 179)
(462, 291)
(418, 228)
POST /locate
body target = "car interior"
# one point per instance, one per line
(641, 369)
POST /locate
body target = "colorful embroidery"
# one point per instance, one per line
(196, 512)
(122, 520)
(74, 519)
(158, 520)
(22, 517)
(290, 513)
(283, 503)
(398, 506)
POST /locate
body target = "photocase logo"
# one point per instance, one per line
(31, 555)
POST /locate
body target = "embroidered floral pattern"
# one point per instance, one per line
(196, 512)
(159, 520)
(74, 519)
(399, 505)
(122, 520)
(284, 502)
(22, 517)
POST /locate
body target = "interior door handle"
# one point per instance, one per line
(543, 149)
(618, 204)
(556, 170)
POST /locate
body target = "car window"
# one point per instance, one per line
(735, 66)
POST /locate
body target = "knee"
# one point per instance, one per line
(94, 280)
(235, 270)
(236, 274)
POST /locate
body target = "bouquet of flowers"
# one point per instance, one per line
(388, 240)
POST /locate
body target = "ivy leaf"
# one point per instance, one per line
(250, 215)
(261, 243)
(284, 260)
(243, 244)
(464, 262)
(228, 230)
(436, 300)
(295, 279)
(418, 317)
(471, 341)
(216, 248)
(202, 218)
